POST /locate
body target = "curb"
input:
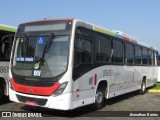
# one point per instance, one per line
(154, 91)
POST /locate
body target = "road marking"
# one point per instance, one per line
(154, 91)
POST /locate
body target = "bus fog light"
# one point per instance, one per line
(60, 89)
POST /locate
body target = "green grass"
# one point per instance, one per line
(157, 86)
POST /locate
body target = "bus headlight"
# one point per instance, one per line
(60, 89)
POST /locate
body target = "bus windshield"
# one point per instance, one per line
(41, 56)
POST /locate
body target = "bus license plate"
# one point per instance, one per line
(30, 103)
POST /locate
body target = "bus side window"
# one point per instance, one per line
(138, 55)
(6, 46)
(129, 53)
(5, 50)
(151, 56)
(82, 53)
(77, 51)
(82, 50)
(87, 52)
(103, 50)
(157, 58)
(154, 57)
(117, 56)
(145, 58)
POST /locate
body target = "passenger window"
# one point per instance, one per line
(103, 49)
(151, 54)
(145, 56)
(129, 53)
(6, 47)
(138, 55)
(87, 52)
(117, 52)
(83, 54)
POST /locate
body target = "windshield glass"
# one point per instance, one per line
(31, 58)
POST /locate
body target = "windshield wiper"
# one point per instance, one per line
(47, 46)
(49, 43)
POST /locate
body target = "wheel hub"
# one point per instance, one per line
(99, 97)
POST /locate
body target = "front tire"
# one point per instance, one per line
(1, 93)
(99, 98)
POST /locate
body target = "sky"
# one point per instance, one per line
(139, 18)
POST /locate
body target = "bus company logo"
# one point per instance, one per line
(107, 72)
(6, 114)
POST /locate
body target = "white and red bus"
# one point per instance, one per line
(6, 40)
(68, 63)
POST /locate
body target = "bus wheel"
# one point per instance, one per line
(1, 93)
(99, 97)
(143, 87)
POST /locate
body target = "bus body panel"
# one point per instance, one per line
(81, 91)
(62, 102)
(116, 83)
(158, 74)
(6, 33)
(4, 68)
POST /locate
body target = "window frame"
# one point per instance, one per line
(133, 55)
(122, 42)
(101, 39)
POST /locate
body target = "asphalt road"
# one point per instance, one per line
(119, 108)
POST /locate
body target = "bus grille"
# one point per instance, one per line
(38, 101)
(34, 83)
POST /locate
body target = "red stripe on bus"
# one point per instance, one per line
(95, 79)
(46, 91)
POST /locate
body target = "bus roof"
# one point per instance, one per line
(7, 28)
(113, 33)
(46, 19)
(118, 34)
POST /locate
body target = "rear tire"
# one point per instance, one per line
(143, 88)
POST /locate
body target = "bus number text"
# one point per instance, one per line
(4, 69)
